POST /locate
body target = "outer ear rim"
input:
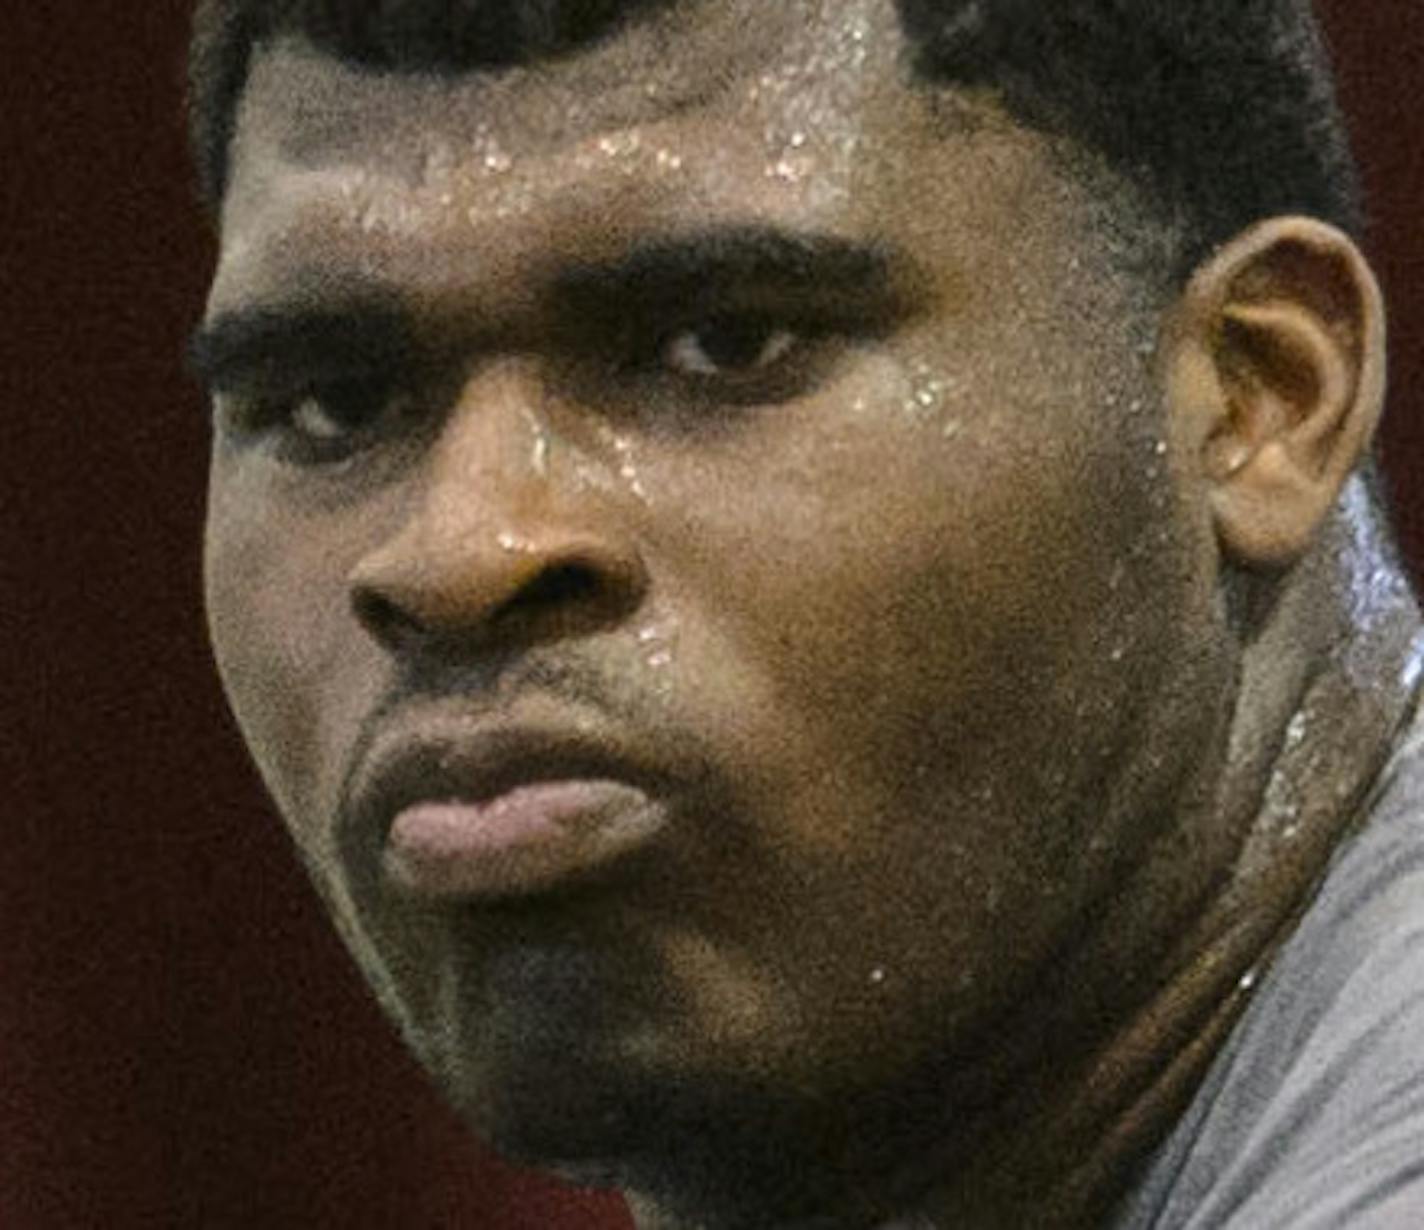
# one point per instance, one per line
(1266, 504)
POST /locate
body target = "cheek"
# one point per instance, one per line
(903, 556)
(936, 633)
(276, 619)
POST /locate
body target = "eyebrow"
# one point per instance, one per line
(243, 341)
(672, 273)
(717, 260)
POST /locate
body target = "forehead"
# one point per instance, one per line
(692, 55)
(803, 115)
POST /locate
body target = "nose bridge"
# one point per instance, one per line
(490, 464)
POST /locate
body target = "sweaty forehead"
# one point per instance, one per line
(798, 115)
(468, 193)
(310, 110)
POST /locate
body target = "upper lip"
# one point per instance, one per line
(446, 757)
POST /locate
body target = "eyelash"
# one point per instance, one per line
(779, 369)
(769, 361)
(270, 418)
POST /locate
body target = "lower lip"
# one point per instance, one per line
(527, 840)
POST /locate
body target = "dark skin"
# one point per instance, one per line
(728, 418)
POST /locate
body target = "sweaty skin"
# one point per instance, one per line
(720, 414)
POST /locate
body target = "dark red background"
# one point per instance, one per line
(181, 1042)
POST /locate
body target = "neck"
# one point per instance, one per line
(1325, 690)
(1325, 685)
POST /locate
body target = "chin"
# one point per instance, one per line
(545, 1053)
(567, 1058)
(555, 1112)
(704, 1154)
(723, 1153)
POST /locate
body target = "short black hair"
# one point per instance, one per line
(440, 36)
(1222, 111)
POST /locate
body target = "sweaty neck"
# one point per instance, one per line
(1328, 683)
(1327, 680)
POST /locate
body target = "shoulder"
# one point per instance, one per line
(1312, 1118)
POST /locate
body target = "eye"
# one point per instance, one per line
(321, 422)
(729, 346)
(337, 411)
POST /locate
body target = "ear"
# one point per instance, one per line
(1275, 382)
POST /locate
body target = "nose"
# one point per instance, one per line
(492, 547)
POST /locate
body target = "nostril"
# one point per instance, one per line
(430, 605)
(567, 584)
(384, 619)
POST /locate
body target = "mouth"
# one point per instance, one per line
(447, 812)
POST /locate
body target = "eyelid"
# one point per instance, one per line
(266, 420)
(790, 338)
(644, 337)
(650, 388)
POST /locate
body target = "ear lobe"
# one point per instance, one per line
(1278, 364)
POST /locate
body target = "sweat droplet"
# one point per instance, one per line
(619, 143)
(877, 975)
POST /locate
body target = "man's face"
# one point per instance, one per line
(742, 460)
